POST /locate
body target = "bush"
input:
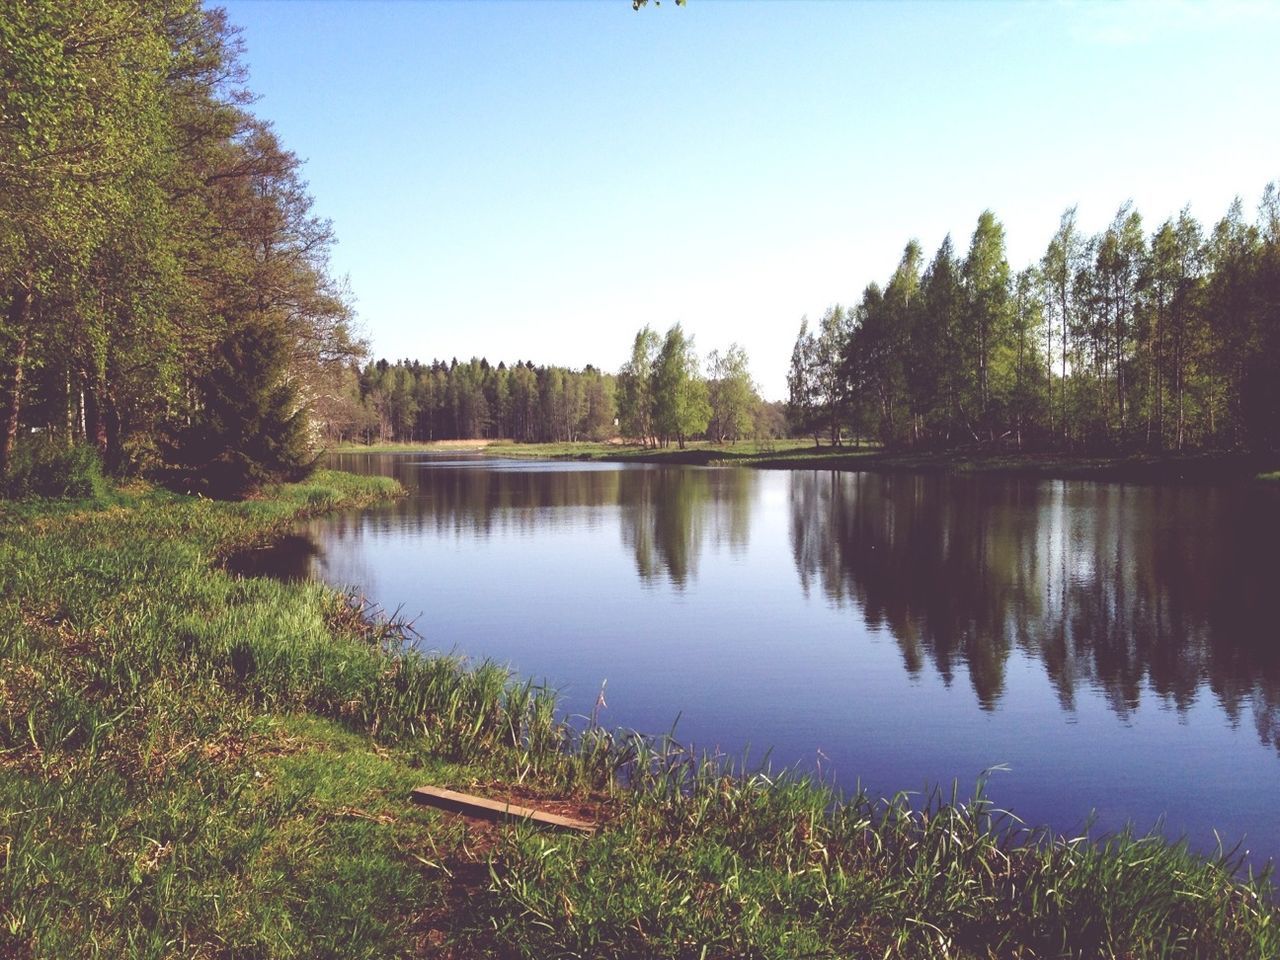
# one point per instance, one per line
(45, 468)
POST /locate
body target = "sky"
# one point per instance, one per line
(538, 179)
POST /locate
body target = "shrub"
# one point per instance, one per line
(45, 468)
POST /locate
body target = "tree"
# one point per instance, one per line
(934, 359)
(1027, 395)
(731, 394)
(872, 364)
(986, 286)
(680, 405)
(802, 390)
(250, 427)
(1058, 270)
(146, 220)
(79, 123)
(635, 388)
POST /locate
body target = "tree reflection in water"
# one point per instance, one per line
(1114, 588)
(1108, 585)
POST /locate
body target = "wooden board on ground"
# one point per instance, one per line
(495, 809)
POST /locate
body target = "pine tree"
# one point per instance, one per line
(250, 427)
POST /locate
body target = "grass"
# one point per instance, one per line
(435, 446)
(197, 765)
(590, 450)
(802, 454)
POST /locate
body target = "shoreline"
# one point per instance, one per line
(172, 736)
(1124, 468)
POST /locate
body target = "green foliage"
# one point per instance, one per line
(251, 427)
(635, 383)
(801, 387)
(140, 206)
(1111, 342)
(45, 468)
(681, 407)
(410, 401)
(731, 394)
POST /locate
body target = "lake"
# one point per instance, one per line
(1115, 646)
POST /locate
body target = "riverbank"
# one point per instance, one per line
(194, 764)
(803, 455)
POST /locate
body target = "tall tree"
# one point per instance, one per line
(933, 370)
(731, 394)
(802, 389)
(831, 392)
(680, 407)
(635, 387)
(986, 286)
(1058, 269)
(1029, 381)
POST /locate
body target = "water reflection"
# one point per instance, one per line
(669, 515)
(1115, 645)
(469, 498)
(1116, 587)
(289, 558)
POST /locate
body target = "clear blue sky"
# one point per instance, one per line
(537, 180)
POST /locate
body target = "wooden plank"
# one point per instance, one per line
(474, 806)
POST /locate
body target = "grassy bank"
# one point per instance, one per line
(696, 451)
(200, 766)
(802, 454)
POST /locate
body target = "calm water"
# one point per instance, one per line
(1116, 646)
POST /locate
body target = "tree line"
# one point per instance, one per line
(411, 401)
(663, 393)
(1120, 340)
(164, 287)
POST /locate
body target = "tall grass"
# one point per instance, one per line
(150, 705)
(711, 862)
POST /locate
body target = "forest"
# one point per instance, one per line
(662, 393)
(1117, 341)
(165, 296)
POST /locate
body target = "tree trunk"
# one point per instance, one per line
(95, 424)
(1180, 360)
(19, 316)
(1065, 434)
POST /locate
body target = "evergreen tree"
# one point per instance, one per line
(249, 427)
